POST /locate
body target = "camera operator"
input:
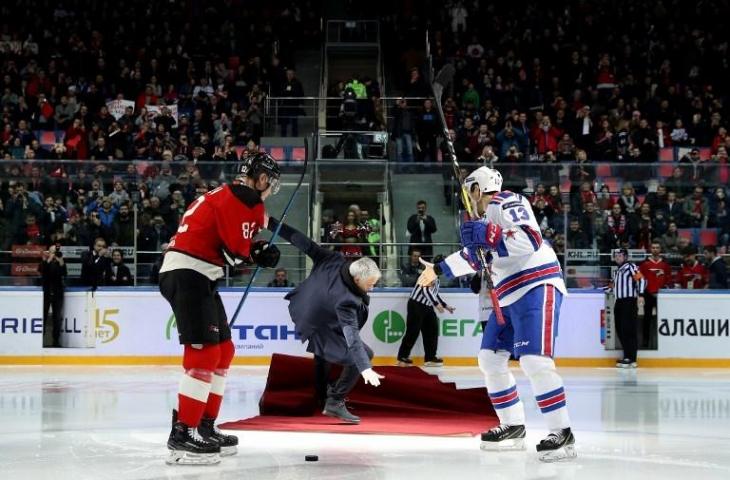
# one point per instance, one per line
(53, 270)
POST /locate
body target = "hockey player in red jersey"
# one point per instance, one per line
(217, 227)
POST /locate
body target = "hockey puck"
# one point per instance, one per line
(311, 458)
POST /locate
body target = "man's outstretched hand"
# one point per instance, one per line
(371, 376)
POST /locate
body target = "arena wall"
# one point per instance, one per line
(136, 326)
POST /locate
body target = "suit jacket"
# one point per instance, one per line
(327, 308)
(94, 270)
(718, 274)
(414, 229)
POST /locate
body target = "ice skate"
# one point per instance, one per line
(504, 438)
(228, 443)
(557, 446)
(187, 447)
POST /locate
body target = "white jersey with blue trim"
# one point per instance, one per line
(521, 260)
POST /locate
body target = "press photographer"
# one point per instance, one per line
(53, 271)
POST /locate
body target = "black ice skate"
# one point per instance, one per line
(337, 409)
(557, 446)
(211, 433)
(504, 438)
(187, 447)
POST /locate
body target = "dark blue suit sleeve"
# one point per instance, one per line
(301, 241)
(347, 316)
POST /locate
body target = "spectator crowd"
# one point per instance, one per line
(108, 108)
(549, 93)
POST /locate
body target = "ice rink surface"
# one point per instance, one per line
(98, 423)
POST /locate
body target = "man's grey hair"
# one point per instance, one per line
(364, 268)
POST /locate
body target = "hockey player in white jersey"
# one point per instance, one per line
(529, 285)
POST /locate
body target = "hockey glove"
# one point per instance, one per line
(478, 234)
(264, 254)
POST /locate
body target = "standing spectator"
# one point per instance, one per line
(546, 136)
(53, 270)
(119, 195)
(696, 208)
(421, 318)
(349, 233)
(658, 274)
(371, 228)
(693, 275)
(717, 269)
(577, 238)
(291, 109)
(427, 128)
(280, 279)
(123, 227)
(95, 265)
(618, 227)
(421, 226)
(403, 130)
(673, 209)
(118, 274)
(628, 286)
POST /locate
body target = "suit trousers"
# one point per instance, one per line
(625, 314)
(53, 300)
(649, 324)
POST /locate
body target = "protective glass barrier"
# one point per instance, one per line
(584, 210)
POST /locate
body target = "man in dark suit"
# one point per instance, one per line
(717, 267)
(328, 310)
(95, 265)
(421, 226)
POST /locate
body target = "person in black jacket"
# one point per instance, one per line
(53, 271)
(328, 310)
(95, 265)
(717, 267)
(118, 274)
(421, 226)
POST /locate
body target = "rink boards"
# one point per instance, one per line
(136, 326)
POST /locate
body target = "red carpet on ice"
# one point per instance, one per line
(408, 401)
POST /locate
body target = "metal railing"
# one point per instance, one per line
(353, 32)
(282, 113)
(699, 223)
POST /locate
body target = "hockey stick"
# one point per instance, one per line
(276, 232)
(438, 82)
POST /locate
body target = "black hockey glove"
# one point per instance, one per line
(476, 283)
(265, 255)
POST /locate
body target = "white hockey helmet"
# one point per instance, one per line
(488, 179)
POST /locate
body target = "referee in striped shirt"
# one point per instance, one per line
(422, 319)
(628, 286)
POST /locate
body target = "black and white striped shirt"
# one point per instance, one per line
(628, 282)
(427, 295)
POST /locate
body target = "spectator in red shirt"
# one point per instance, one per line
(658, 275)
(693, 275)
(546, 136)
